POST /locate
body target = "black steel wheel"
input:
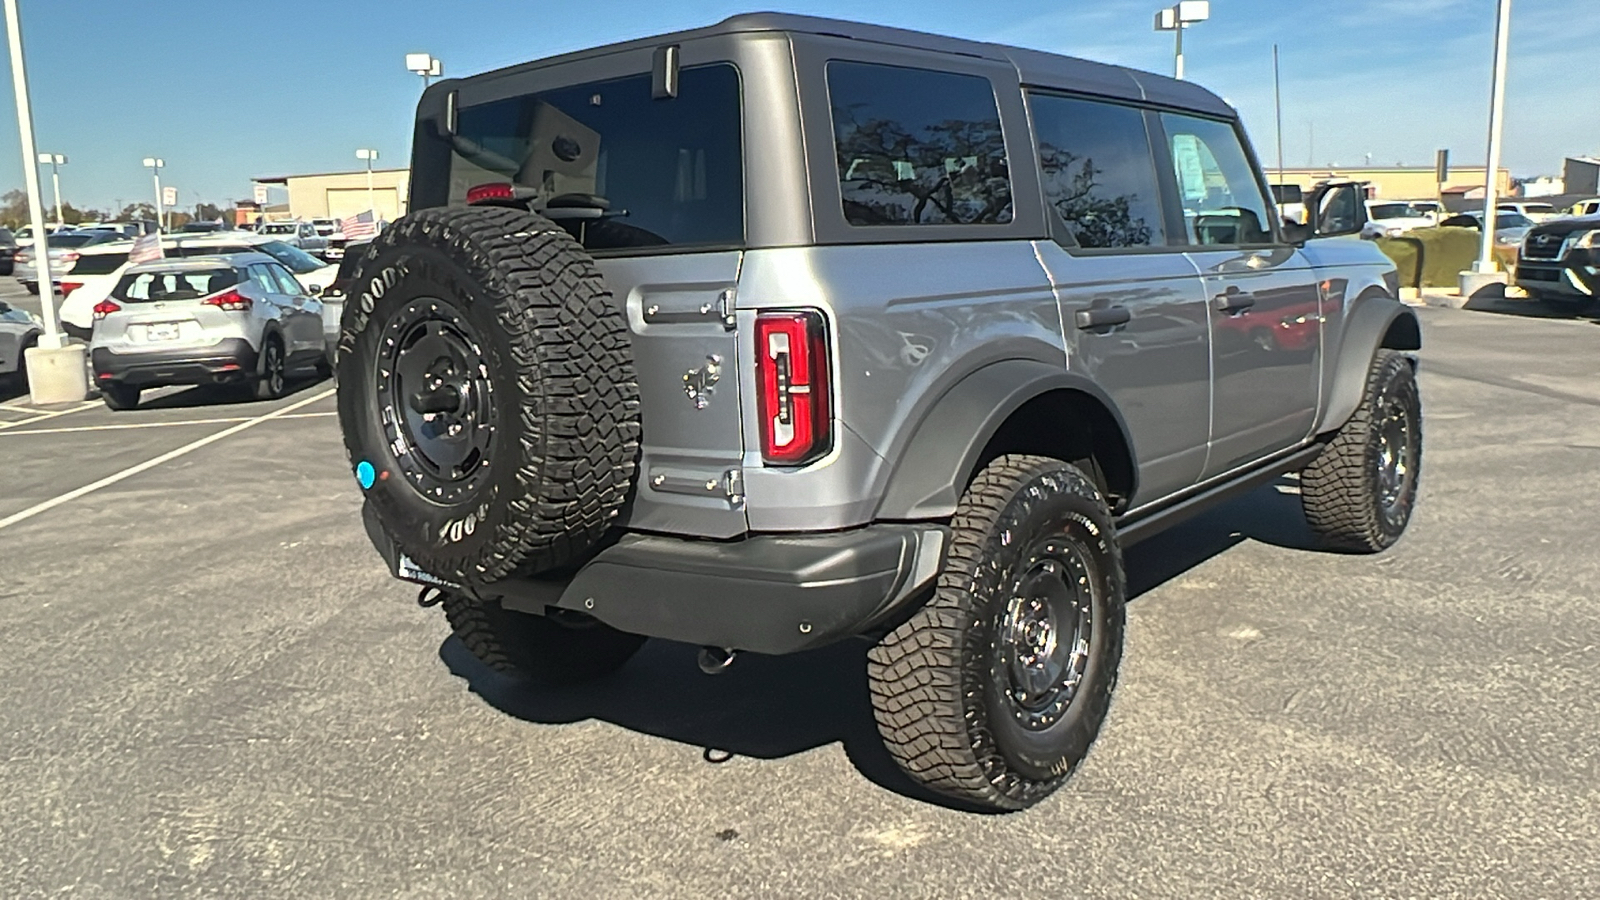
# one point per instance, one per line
(487, 393)
(1360, 491)
(992, 693)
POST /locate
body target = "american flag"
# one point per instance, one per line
(360, 226)
(146, 249)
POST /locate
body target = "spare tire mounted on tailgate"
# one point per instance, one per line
(487, 393)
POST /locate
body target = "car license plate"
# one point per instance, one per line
(161, 331)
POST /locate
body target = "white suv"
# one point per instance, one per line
(77, 308)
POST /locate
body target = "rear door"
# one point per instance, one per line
(654, 189)
(1132, 307)
(1265, 307)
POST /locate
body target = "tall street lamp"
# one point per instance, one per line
(155, 165)
(425, 65)
(56, 372)
(1179, 17)
(1497, 112)
(372, 205)
(56, 160)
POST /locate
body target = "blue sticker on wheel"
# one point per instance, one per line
(366, 475)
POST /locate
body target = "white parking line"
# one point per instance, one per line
(87, 404)
(131, 471)
(75, 429)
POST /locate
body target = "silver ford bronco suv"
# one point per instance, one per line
(786, 331)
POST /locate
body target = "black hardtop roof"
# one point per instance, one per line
(1034, 67)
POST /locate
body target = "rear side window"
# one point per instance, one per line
(191, 284)
(917, 147)
(99, 263)
(1222, 200)
(1099, 175)
(617, 167)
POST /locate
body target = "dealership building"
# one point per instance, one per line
(338, 195)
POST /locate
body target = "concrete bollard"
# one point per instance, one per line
(1480, 284)
(57, 375)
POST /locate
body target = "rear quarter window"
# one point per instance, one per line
(917, 147)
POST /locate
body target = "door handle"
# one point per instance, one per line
(1102, 317)
(1233, 301)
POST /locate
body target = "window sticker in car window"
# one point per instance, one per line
(1191, 171)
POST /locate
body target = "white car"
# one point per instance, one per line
(1538, 213)
(298, 234)
(77, 309)
(1586, 208)
(1392, 218)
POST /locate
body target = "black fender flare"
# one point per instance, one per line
(1375, 321)
(942, 455)
(272, 330)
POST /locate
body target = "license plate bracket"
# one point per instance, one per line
(162, 331)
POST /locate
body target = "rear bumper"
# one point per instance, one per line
(766, 594)
(230, 359)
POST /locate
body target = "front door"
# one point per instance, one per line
(1264, 305)
(1132, 307)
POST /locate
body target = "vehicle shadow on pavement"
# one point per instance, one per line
(221, 395)
(1533, 309)
(770, 707)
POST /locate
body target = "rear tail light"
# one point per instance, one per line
(494, 191)
(69, 257)
(105, 308)
(22, 256)
(67, 287)
(793, 372)
(233, 301)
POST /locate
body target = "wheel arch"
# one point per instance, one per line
(1013, 406)
(1375, 322)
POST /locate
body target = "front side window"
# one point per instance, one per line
(1222, 199)
(917, 147)
(1099, 176)
(616, 166)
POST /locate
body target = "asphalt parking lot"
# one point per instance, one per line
(211, 687)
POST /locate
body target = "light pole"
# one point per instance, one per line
(1177, 18)
(155, 165)
(1497, 109)
(425, 65)
(56, 372)
(372, 204)
(56, 160)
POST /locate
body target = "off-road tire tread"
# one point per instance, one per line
(1338, 489)
(578, 391)
(915, 672)
(532, 647)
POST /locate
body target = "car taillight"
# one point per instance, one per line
(105, 308)
(792, 370)
(69, 257)
(67, 287)
(494, 191)
(22, 256)
(232, 301)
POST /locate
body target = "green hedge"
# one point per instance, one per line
(1446, 253)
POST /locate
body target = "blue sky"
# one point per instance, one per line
(224, 90)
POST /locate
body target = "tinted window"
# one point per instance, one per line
(1099, 175)
(287, 284)
(99, 263)
(665, 171)
(917, 147)
(67, 240)
(298, 261)
(278, 229)
(1222, 200)
(187, 285)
